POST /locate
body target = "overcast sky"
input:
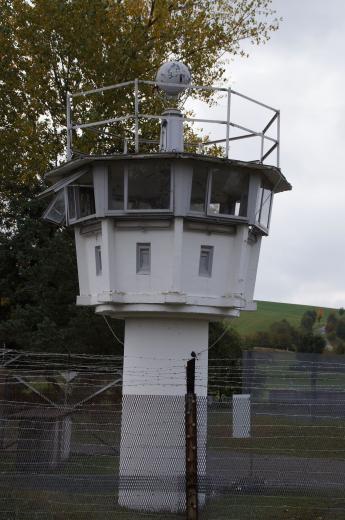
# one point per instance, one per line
(301, 71)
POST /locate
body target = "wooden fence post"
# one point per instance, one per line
(191, 444)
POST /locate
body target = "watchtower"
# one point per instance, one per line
(168, 238)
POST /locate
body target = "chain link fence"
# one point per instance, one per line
(271, 440)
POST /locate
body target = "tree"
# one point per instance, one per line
(308, 321)
(340, 329)
(284, 335)
(52, 47)
(311, 344)
(280, 335)
(225, 356)
(331, 323)
(319, 315)
(38, 287)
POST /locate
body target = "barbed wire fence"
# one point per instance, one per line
(274, 445)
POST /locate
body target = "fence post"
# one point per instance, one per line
(191, 444)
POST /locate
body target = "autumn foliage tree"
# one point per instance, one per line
(50, 47)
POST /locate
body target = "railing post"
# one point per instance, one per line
(136, 111)
(69, 127)
(191, 445)
(227, 147)
(278, 138)
(262, 147)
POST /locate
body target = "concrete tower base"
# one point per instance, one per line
(152, 451)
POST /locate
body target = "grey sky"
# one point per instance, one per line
(301, 71)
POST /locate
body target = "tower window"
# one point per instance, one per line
(98, 258)
(143, 258)
(229, 193)
(116, 187)
(206, 260)
(149, 186)
(56, 210)
(81, 198)
(263, 205)
(199, 188)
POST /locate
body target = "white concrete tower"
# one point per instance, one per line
(168, 241)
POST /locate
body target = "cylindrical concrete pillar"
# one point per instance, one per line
(152, 450)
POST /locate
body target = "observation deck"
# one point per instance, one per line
(168, 218)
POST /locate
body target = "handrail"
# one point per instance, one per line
(137, 117)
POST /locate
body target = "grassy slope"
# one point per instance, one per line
(269, 312)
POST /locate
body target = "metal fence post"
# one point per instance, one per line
(191, 445)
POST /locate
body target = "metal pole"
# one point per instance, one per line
(262, 147)
(278, 138)
(68, 124)
(228, 124)
(191, 445)
(136, 111)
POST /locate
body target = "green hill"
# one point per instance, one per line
(269, 312)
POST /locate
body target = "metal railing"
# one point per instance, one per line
(136, 118)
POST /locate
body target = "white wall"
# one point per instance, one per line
(156, 352)
(89, 282)
(153, 411)
(174, 276)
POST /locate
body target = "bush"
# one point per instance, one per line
(340, 329)
(311, 344)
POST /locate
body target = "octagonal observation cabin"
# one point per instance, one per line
(162, 226)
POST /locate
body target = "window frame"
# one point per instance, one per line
(63, 185)
(139, 247)
(210, 251)
(193, 211)
(50, 206)
(98, 260)
(258, 214)
(106, 190)
(77, 208)
(207, 213)
(223, 215)
(126, 210)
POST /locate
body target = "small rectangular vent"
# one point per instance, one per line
(98, 259)
(206, 260)
(143, 258)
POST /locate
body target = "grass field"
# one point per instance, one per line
(269, 312)
(47, 505)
